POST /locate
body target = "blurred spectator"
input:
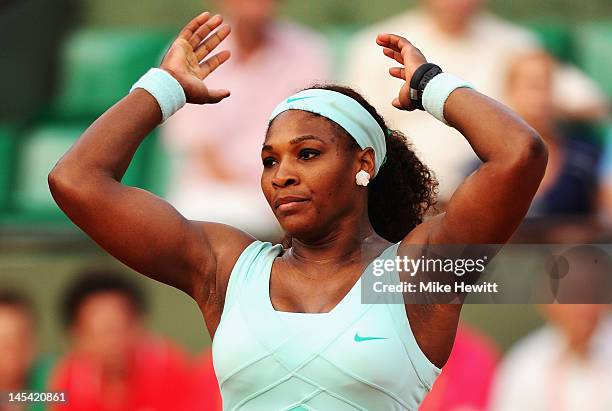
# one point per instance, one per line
(205, 379)
(465, 381)
(114, 363)
(17, 340)
(475, 45)
(570, 185)
(605, 199)
(217, 147)
(565, 365)
(19, 369)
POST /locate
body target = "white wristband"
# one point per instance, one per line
(166, 89)
(437, 92)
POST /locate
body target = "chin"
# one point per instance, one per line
(298, 226)
(295, 226)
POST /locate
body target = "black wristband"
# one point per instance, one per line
(419, 80)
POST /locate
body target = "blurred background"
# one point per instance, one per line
(64, 62)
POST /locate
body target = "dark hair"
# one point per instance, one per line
(15, 299)
(404, 188)
(96, 281)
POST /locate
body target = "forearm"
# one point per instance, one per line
(107, 147)
(495, 133)
(491, 203)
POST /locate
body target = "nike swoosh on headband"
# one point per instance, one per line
(291, 100)
(344, 111)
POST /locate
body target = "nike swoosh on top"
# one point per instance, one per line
(291, 100)
(360, 339)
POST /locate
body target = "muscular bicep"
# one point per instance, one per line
(146, 233)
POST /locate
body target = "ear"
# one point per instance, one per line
(367, 161)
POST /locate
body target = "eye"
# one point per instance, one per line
(268, 162)
(308, 154)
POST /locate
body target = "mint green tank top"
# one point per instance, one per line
(356, 357)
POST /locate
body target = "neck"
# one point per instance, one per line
(448, 24)
(545, 127)
(341, 244)
(579, 347)
(248, 40)
(114, 374)
(12, 383)
(116, 370)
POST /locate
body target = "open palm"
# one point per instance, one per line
(187, 59)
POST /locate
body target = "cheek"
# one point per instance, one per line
(266, 185)
(332, 189)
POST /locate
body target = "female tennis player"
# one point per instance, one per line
(288, 326)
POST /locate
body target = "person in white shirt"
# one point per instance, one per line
(216, 149)
(565, 365)
(473, 44)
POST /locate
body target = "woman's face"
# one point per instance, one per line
(107, 328)
(17, 344)
(250, 13)
(530, 87)
(309, 174)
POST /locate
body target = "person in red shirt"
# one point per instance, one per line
(19, 369)
(466, 379)
(208, 396)
(114, 364)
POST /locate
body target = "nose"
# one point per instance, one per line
(284, 175)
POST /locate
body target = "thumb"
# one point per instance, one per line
(396, 103)
(215, 96)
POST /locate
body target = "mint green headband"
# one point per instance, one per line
(344, 111)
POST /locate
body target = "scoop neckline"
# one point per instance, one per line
(338, 307)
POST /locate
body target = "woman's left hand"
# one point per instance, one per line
(410, 57)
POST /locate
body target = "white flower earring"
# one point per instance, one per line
(362, 178)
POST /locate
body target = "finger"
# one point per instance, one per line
(398, 72)
(392, 41)
(193, 25)
(211, 42)
(394, 55)
(396, 103)
(204, 30)
(211, 64)
(216, 96)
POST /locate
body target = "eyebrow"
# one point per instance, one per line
(297, 140)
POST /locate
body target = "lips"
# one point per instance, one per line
(288, 201)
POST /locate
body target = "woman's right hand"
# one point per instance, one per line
(405, 53)
(186, 59)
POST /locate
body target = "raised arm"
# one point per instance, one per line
(138, 228)
(491, 203)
